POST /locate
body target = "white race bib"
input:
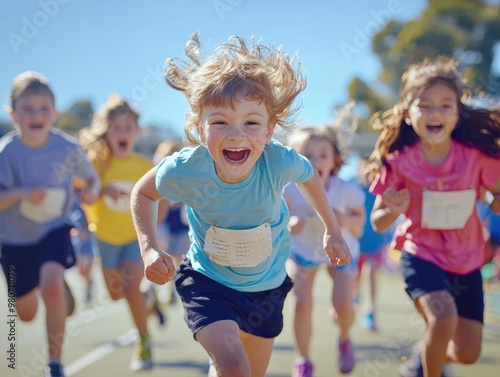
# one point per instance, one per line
(122, 204)
(447, 210)
(239, 248)
(50, 208)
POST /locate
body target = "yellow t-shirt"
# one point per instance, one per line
(111, 220)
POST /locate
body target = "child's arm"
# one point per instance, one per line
(90, 193)
(335, 246)
(354, 220)
(158, 265)
(388, 207)
(10, 197)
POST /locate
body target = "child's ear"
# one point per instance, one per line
(201, 131)
(270, 131)
(12, 113)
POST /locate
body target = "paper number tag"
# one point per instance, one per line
(239, 248)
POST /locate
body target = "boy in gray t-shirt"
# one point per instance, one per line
(38, 165)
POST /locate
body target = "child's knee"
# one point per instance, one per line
(26, 310)
(233, 369)
(467, 354)
(27, 314)
(52, 290)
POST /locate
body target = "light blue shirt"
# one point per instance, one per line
(53, 165)
(189, 176)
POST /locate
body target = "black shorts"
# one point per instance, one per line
(422, 277)
(205, 301)
(22, 264)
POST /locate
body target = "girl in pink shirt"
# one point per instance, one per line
(431, 160)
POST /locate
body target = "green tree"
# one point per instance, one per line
(78, 116)
(465, 29)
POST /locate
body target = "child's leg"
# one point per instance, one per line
(440, 314)
(259, 352)
(27, 305)
(231, 356)
(222, 342)
(52, 289)
(373, 266)
(114, 283)
(302, 303)
(342, 296)
(132, 276)
(465, 347)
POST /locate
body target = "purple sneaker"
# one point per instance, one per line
(346, 356)
(302, 368)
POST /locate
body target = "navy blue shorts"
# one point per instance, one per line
(205, 301)
(22, 264)
(422, 277)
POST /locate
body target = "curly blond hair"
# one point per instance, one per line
(255, 71)
(93, 138)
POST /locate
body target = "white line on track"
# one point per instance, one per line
(100, 352)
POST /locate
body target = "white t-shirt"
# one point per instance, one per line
(308, 245)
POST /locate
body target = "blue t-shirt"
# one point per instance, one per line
(52, 166)
(371, 241)
(189, 176)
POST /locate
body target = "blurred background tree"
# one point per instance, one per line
(78, 116)
(465, 29)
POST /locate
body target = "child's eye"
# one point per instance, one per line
(253, 125)
(218, 123)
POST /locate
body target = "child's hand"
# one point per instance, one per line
(296, 225)
(87, 196)
(337, 250)
(158, 266)
(396, 201)
(113, 192)
(35, 196)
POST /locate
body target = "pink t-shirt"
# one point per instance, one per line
(459, 250)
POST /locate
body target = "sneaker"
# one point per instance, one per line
(369, 321)
(154, 306)
(346, 356)
(158, 310)
(302, 368)
(54, 369)
(70, 300)
(413, 366)
(142, 360)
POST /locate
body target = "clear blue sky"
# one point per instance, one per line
(88, 49)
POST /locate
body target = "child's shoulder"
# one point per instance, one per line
(189, 156)
(7, 141)
(61, 136)
(274, 147)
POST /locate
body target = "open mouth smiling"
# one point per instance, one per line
(122, 144)
(435, 128)
(236, 154)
